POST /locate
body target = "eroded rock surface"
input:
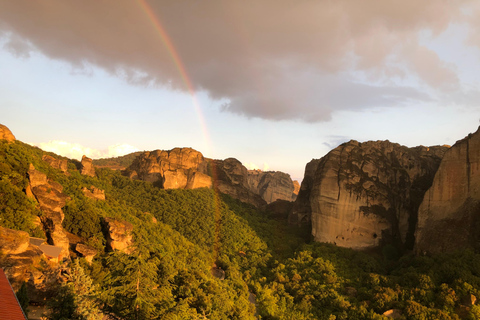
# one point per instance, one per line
(185, 168)
(56, 163)
(232, 179)
(51, 201)
(271, 185)
(87, 167)
(13, 241)
(449, 216)
(302, 211)
(366, 194)
(88, 252)
(119, 235)
(179, 168)
(6, 134)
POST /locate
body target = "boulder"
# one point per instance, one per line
(88, 252)
(13, 241)
(94, 193)
(87, 167)
(393, 313)
(119, 235)
(364, 195)
(449, 216)
(6, 134)
(271, 185)
(56, 163)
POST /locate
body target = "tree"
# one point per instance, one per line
(22, 297)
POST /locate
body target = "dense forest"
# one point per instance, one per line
(271, 269)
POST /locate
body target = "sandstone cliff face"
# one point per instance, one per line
(363, 194)
(6, 134)
(271, 185)
(178, 168)
(13, 241)
(302, 211)
(56, 163)
(449, 216)
(87, 167)
(119, 235)
(186, 168)
(51, 200)
(231, 178)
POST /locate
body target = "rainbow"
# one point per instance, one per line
(167, 42)
(191, 90)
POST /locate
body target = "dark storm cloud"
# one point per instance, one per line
(270, 59)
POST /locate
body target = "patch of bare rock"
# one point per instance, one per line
(361, 195)
(6, 134)
(186, 168)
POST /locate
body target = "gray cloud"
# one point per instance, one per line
(271, 59)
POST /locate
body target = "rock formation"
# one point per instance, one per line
(87, 167)
(271, 185)
(13, 241)
(296, 188)
(449, 216)
(186, 168)
(364, 194)
(119, 235)
(51, 200)
(56, 163)
(94, 193)
(182, 168)
(88, 252)
(6, 134)
(302, 211)
(231, 177)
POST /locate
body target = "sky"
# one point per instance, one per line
(273, 83)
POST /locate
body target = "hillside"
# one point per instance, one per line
(132, 250)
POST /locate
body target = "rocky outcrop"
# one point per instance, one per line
(56, 163)
(449, 216)
(87, 252)
(231, 177)
(13, 241)
(51, 201)
(186, 168)
(182, 168)
(94, 193)
(302, 212)
(6, 134)
(271, 185)
(366, 194)
(87, 167)
(118, 234)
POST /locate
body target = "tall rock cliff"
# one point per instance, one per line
(449, 216)
(186, 168)
(365, 194)
(271, 185)
(302, 211)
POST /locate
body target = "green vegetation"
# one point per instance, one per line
(180, 235)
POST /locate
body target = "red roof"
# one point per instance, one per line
(9, 307)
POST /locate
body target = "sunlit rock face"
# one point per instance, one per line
(186, 168)
(6, 134)
(56, 163)
(366, 194)
(87, 167)
(449, 216)
(179, 168)
(271, 185)
(51, 199)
